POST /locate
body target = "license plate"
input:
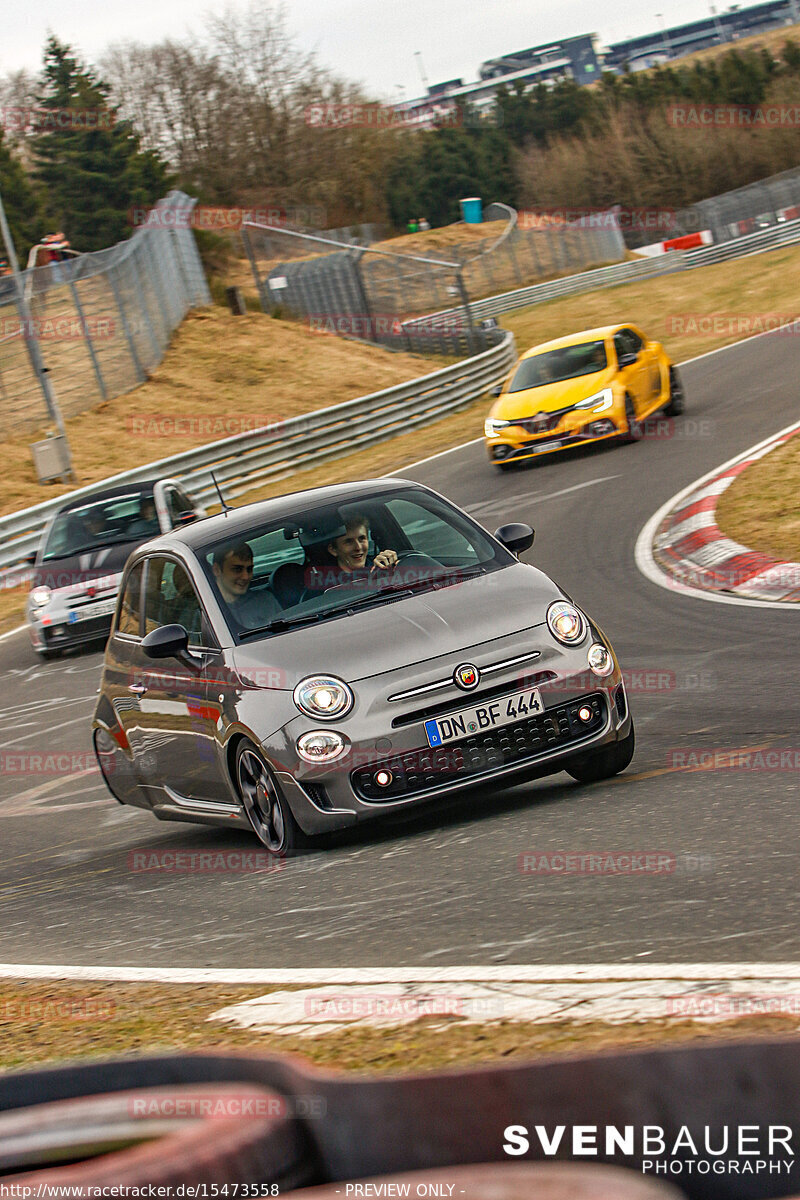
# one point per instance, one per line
(490, 715)
(540, 449)
(101, 609)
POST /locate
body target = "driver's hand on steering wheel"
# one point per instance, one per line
(384, 561)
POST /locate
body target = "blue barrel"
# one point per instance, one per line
(472, 210)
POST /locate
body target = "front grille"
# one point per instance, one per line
(543, 424)
(523, 680)
(83, 598)
(425, 769)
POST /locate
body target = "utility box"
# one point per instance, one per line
(51, 458)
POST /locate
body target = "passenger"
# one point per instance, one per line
(233, 570)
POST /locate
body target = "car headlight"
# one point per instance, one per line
(600, 659)
(565, 622)
(323, 696)
(40, 596)
(491, 427)
(599, 402)
(320, 745)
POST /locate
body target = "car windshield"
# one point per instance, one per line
(128, 518)
(568, 362)
(327, 561)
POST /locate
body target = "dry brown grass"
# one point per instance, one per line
(761, 509)
(669, 307)
(220, 370)
(47, 1022)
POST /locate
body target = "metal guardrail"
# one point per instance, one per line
(277, 451)
(627, 272)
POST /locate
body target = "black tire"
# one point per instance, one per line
(677, 400)
(602, 764)
(47, 655)
(633, 432)
(503, 466)
(269, 814)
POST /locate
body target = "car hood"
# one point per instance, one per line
(101, 566)
(403, 632)
(550, 397)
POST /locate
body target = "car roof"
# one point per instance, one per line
(574, 339)
(121, 489)
(238, 521)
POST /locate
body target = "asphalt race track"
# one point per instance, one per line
(442, 886)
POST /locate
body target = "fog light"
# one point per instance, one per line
(320, 745)
(600, 660)
(383, 778)
(585, 713)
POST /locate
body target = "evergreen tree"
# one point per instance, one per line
(91, 165)
(20, 202)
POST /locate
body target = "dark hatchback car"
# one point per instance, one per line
(78, 566)
(307, 662)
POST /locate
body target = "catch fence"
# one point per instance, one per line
(381, 296)
(103, 320)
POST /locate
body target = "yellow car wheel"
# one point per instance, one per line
(634, 430)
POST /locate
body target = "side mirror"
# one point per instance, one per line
(627, 360)
(496, 390)
(30, 558)
(186, 518)
(516, 537)
(171, 641)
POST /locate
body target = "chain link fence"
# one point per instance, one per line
(385, 297)
(737, 213)
(103, 320)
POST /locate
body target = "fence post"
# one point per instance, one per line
(362, 294)
(88, 339)
(141, 373)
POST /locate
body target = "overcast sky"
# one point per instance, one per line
(363, 40)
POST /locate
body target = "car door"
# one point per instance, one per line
(119, 688)
(635, 373)
(173, 733)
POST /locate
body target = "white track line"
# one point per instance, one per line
(643, 553)
(573, 973)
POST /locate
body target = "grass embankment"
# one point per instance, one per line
(48, 1022)
(761, 509)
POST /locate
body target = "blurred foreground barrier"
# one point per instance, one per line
(710, 1122)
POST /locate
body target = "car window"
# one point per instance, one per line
(170, 599)
(300, 567)
(102, 523)
(130, 603)
(553, 366)
(428, 533)
(627, 342)
(634, 341)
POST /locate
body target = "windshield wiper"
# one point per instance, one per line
(281, 623)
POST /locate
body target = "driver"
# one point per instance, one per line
(351, 550)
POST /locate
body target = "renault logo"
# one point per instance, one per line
(467, 676)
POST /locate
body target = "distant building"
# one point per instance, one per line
(571, 58)
(639, 53)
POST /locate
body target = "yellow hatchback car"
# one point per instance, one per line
(597, 384)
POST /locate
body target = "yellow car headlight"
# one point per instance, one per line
(491, 427)
(599, 402)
